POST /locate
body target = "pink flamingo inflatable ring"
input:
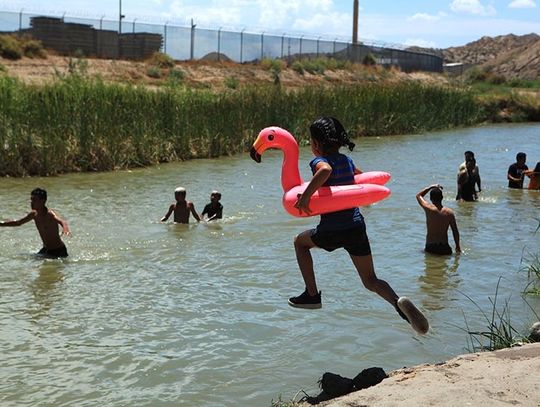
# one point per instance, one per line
(367, 189)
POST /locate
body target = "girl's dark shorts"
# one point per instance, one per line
(354, 240)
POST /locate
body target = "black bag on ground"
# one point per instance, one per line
(369, 377)
(335, 385)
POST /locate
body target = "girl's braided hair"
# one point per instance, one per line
(330, 133)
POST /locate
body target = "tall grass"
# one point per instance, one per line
(499, 332)
(78, 124)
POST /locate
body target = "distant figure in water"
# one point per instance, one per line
(516, 172)
(214, 209)
(534, 175)
(181, 208)
(438, 220)
(47, 222)
(467, 181)
(469, 155)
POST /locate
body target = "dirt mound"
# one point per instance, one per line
(509, 55)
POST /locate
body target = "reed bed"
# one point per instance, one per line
(81, 124)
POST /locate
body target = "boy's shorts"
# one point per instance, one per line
(354, 240)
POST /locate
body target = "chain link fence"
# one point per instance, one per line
(138, 40)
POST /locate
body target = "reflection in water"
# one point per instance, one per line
(45, 287)
(439, 279)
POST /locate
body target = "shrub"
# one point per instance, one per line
(161, 60)
(298, 67)
(33, 48)
(273, 65)
(369, 60)
(153, 72)
(231, 82)
(10, 47)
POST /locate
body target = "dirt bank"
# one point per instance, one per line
(500, 378)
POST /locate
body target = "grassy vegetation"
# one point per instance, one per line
(15, 47)
(80, 124)
(502, 99)
(499, 332)
(531, 265)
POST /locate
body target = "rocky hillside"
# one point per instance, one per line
(510, 55)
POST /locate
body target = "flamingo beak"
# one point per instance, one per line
(255, 156)
(257, 148)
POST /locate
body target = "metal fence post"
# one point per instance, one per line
(241, 43)
(20, 19)
(192, 46)
(165, 38)
(300, 51)
(262, 45)
(318, 39)
(219, 44)
(282, 44)
(133, 29)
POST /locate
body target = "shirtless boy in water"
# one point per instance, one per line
(46, 223)
(181, 208)
(438, 220)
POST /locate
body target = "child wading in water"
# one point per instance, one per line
(47, 223)
(344, 229)
(181, 208)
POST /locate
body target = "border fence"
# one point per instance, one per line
(137, 40)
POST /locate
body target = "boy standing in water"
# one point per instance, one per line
(213, 210)
(46, 222)
(343, 229)
(438, 220)
(516, 171)
(466, 182)
(181, 208)
(469, 155)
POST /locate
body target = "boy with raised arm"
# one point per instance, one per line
(438, 220)
(46, 221)
(181, 208)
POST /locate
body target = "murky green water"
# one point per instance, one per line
(150, 314)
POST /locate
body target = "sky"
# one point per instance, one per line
(428, 23)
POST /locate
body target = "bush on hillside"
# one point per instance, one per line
(10, 48)
(161, 60)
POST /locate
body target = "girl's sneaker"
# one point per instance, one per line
(305, 300)
(412, 315)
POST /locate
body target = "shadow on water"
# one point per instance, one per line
(440, 279)
(46, 287)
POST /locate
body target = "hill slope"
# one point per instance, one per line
(509, 55)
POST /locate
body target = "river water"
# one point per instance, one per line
(150, 314)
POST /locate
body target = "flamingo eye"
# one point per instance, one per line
(270, 137)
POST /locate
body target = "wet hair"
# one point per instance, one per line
(436, 195)
(469, 153)
(330, 133)
(521, 156)
(537, 168)
(40, 193)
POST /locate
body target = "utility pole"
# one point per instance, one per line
(355, 23)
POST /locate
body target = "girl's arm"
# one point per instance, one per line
(322, 173)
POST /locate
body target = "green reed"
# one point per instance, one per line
(79, 124)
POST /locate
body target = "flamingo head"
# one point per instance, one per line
(271, 137)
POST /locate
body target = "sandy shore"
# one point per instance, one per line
(501, 378)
